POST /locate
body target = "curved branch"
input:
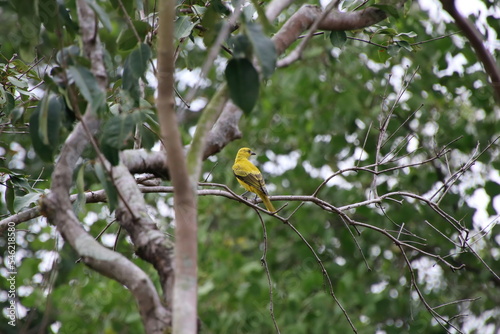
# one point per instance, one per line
(150, 243)
(57, 205)
(476, 40)
(143, 161)
(305, 17)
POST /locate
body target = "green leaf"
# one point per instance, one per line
(111, 153)
(220, 7)
(54, 113)
(28, 268)
(47, 11)
(25, 201)
(148, 137)
(262, 16)
(212, 22)
(386, 31)
(103, 16)
(71, 26)
(389, 9)
(20, 181)
(44, 127)
(241, 46)
(184, 27)
(393, 50)
(20, 66)
(493, 190)
(108, 185)
(9, 104)
(338, 38)
(405, 45)
(243, 83)
(18, 83)
(118, 131)
(383, 55)
(136, 63)
(409, 36)
(127, 4)
(43, 113)
(263, 48)
(10, 196)
(128, 39)
(3, 96)
(79, 204)
(87, 84)
(198, 10)
(134, 68)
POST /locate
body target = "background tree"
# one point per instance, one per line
(376, 130)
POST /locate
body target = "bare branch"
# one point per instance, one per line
(305, 17)
(325, 275)
(439, 319)
(149, 242)
(263, 261)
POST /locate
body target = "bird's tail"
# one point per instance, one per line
(267, 203)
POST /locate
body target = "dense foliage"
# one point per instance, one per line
(406, 98)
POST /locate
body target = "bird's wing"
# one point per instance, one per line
(250, 176)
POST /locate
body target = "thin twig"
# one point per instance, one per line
(439, 318)
(325, 275)
(263, 261)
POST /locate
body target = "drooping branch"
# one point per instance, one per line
(476, 40)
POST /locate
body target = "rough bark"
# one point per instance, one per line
(58, 209)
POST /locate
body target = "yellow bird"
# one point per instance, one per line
(250, 177)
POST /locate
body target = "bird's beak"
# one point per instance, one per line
(253, 153)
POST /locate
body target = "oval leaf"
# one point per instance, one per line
(183, 27)
(101, 13)
(88, 86)
(134, 68)
(108, 186)
(263, 48)
(338, 38)
(118, 131)
(44, 128)
(243, 83)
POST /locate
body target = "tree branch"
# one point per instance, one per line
(185, 259)
(57, 206)
(476, 40)
(149, 242)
